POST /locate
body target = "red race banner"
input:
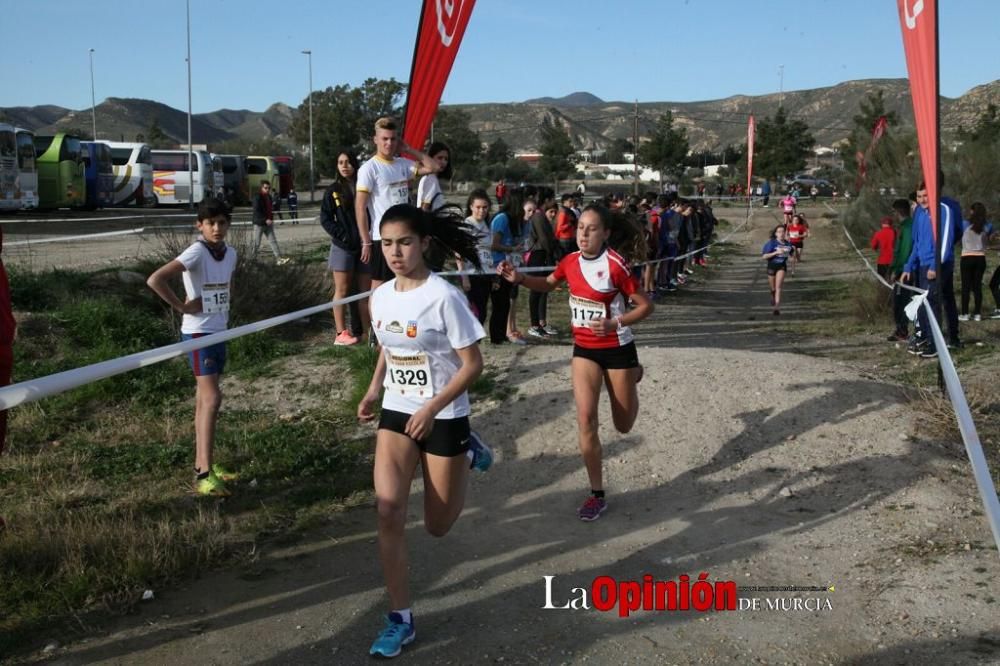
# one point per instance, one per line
(442, 25)
(878, 131)
(918, 19)
(751, 132)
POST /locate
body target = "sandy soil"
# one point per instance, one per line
(748, 461)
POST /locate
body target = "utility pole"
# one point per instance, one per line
(635, 151)
(93, 102)
(781, 85)
(312, 159)
(190, 147)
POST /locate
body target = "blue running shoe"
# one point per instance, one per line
(482, 455)
(392, 639)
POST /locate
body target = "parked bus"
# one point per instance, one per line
(286, 174)
(218, 178)
(133, 167)
(60, 171)
(171, 183)
(261, 169)
(27, 169)
(8, 169)
(98, 174)
(234, 178)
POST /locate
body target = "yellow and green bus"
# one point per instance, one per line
(60, 171)
(261, 169)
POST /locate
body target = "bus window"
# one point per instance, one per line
(172, 162)
(256, 167)
(42, 144)
(144, 156)
(104, 161)
(25, 152)
(8, 144)
(120, 156)
(70, 149)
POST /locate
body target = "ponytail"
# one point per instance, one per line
(978, 217)
(446, 227)
(626, 237)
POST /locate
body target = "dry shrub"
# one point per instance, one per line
(262, 289)
(937, 418)
(870, 302)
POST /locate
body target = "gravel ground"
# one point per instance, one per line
(749, 462)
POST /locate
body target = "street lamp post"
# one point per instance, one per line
(312, 159)
(190, 147)
(93, 101)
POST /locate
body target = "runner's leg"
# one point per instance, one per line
(624, 395)
(446, 479)
(396, 459)
(587, 379)
(208, 399)
(779, 279)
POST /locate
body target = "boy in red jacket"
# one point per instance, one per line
(883, 242)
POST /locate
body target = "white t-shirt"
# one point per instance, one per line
(208, 278)
(387, 183)
(484, 246)
(429, 192)
(419, 331)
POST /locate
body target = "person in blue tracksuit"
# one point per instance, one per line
(926, 272)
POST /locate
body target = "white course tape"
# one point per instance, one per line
(875, 272)
(967, 427)
(59, 239)
(126, 232)
(36, 389)
(652, 262)
(973, 447)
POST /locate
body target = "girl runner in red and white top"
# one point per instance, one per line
(604, 352)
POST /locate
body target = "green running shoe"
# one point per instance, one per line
(224, 473)
(211, 486)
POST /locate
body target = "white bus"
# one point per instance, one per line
(171, 182)
(9, 200)
(27, 170)
(219, 178)
(133, 168)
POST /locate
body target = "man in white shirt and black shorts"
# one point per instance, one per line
(384, 181)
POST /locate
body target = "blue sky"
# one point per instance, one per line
(246, 53)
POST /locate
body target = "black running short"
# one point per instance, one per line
(773, 268)
(448, 438)
(614, 358)
(379, 268)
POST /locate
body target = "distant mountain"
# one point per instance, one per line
(573, 99)
(590, 121)
(124, 118)
(713, 124)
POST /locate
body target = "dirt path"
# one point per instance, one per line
(748, 462)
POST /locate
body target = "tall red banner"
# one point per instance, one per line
(442, 25)
(751, 132)
(918, 19)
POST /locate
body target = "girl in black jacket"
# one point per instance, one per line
(336, 214)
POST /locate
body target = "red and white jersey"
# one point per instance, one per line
(598, 288)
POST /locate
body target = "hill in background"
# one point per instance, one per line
(590, 121)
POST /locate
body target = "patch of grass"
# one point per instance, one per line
(250, 357)
(96, 489)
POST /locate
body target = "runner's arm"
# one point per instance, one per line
(507, 271)
(158, 283)
(365, 411)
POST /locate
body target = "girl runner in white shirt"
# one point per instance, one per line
(429, 356)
